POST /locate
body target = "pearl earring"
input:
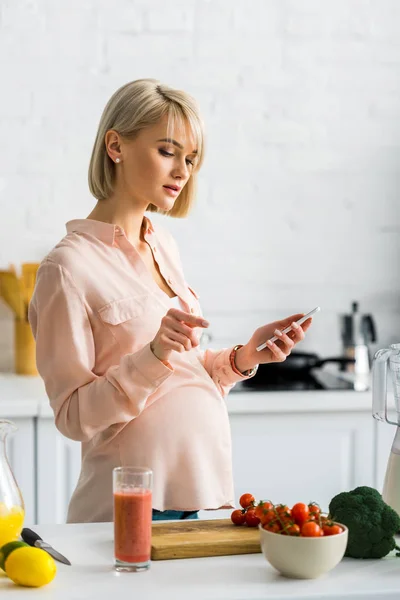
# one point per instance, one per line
(117, 160)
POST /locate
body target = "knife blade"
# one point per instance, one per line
(33, 539)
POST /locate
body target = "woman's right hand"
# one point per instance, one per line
(176, 333)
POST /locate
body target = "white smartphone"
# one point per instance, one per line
(299, 321)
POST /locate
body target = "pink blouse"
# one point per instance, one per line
(94, 311)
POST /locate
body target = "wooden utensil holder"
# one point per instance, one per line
(25, 348)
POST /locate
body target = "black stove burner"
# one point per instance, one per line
(316, 379)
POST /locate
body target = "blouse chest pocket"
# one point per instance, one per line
(127, 320)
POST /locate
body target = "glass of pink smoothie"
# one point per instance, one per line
(132, 488)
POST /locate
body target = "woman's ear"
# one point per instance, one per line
(113, 145)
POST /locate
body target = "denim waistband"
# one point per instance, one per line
(168, 515)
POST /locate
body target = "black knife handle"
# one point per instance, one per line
(29, 536)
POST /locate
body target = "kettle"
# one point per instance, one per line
(391, 356)
(357, 332)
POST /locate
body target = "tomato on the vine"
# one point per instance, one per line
(269, 516)
(251, 518)
(314, 509)
(272, 527)
(238, 517)
(284, 520)
(332, 529)
(292, 529)
(300, 513)
(263, 508)
(311, 529)
(283, 510)
(302, 519)
(246, 500)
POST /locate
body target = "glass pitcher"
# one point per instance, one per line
(391, 486)
(12, 509)
(389, 355)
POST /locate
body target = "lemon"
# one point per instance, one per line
(31, 567)
(7, 549)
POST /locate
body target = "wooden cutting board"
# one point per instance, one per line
(193, 539)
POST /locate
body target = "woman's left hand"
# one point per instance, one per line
(248, 357)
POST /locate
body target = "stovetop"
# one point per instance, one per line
(317, 379)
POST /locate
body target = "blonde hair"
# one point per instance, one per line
(133, 107)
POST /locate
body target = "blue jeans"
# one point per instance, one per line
(169, 515)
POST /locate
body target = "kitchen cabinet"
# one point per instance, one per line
(59, 461)
(302, 457)
(299, 457)
(21, 453)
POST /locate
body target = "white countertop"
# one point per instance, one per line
(25, 396)
(247, 577)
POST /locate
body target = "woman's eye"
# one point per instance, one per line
(165, 153)
(169, 154)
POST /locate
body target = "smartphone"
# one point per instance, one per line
(299, 321)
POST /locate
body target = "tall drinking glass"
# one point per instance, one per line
(132, 489)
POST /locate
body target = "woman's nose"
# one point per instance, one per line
(180, 171)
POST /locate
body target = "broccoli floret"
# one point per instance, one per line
(364, 490)
(390, 519)
(385, 546)
(371, 522)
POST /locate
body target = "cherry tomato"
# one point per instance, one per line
(238, 517)
(332, 529)
(285, 521)
(292, 529)
(251, 518)
(300, 513)
(246, 500)
(314, 509)
(282, 510)
(273, 527)
(262, 508)
(268, 516)
(311, 529)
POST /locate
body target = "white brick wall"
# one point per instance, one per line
(299, 197)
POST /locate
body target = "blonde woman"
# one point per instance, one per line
(117, 326)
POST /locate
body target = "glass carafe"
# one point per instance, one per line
(12, 509)
(382, 358)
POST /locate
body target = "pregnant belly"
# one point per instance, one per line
(186, 420)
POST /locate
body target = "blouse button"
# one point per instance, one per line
(169, 280)
(192, 310)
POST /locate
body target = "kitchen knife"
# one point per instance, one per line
(33, 539)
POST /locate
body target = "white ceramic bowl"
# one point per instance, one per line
(303, 557)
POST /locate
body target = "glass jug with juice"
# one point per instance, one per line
(12, 509)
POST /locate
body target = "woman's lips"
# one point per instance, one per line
(171, 191)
